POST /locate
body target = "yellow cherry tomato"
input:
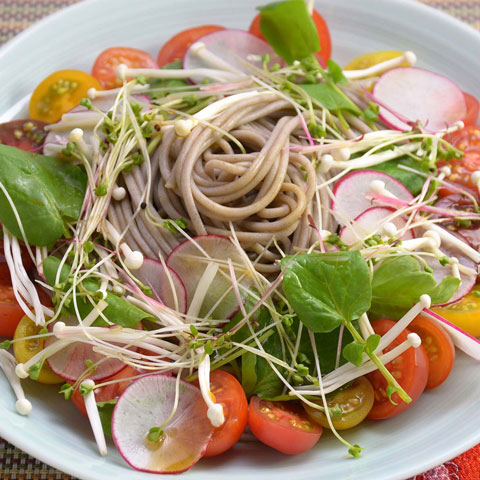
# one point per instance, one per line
(355, 401)
(24, 350)
(370, 59)
(465, 313)
(60, 92)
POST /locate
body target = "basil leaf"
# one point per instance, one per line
(329, 97)
(47, 192)
(411, 180)
(119, 311)
(326, 289)
(289, 29)
(398, 283)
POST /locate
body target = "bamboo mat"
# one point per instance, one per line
(15, 16)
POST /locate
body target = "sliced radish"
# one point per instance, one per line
(69, 363)
(372, 221)
(148, 403)
(191, 259)
(351, 192)
(234, 48)
(411, 94)
(154, 275)
(440, 272)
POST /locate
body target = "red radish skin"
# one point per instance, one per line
(439, 271)
(418, 95)
(371, 221)
(350, 193)
(153, 274)
(147, 403)
(236, 47)
(190, 263)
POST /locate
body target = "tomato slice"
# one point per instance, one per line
(24, 134)
(410, 370)
(108, 392)
(178, 45)
(355, 401)
(373, 58)
(465, 313)
(59, 93)
(473, 108)
(105, 66)
(439, 348)
(24, 350)
(283, 426)
(10, 311)
(229, 393)
(465, 139)
(323, 35)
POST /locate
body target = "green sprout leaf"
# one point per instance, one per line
(372, 343)
(66, 391)
(34, 371)
(390, 391)
(5, 345)
(353, 352)
(355, 451)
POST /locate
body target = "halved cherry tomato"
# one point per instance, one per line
(473, 108)
(10, 311)
(178, 45)
(466, 139)
(355, 401)
(105, 66)
(229, 393)
(26, 134)
(323, 35)
(24, 350)
(439, 348)
(108, 392)
(465, 313)
(410, 370)
(373, 58)
(59, 93)
(283, 426)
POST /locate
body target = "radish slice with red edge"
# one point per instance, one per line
(351, 192)
(69, 363)
(190, 263)
(462, 340)
(440, 272)
(154, 275)
(233, 47)
(27, 134)
(372, 221)
(411, 94)
(148, 403)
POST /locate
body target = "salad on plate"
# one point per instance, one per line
(239, 238)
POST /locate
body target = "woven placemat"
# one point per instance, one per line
(15, 16)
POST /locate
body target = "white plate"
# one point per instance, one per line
(443, 424)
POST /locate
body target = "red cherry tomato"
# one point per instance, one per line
(410, 370)
(229, 393)
(178, 45)
(283, 426)
(473, 108)
(439, 348)
(109, 392)
(105, 66)
(10, 311)
(323, 35)
(26, 134)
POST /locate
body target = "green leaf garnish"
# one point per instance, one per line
(66, 391)
(353, 352)
(5, 345)
(390, 391)
(355, 451)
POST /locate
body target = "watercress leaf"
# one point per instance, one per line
(372, 342)
(411, 180)
(326, 289)
(336, 72)
(289, 29)
(119, 311)
(329, 97)
(105, 410)
(353, 352)
(47, 193)
(398, 283)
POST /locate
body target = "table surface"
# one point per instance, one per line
(15, 16)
